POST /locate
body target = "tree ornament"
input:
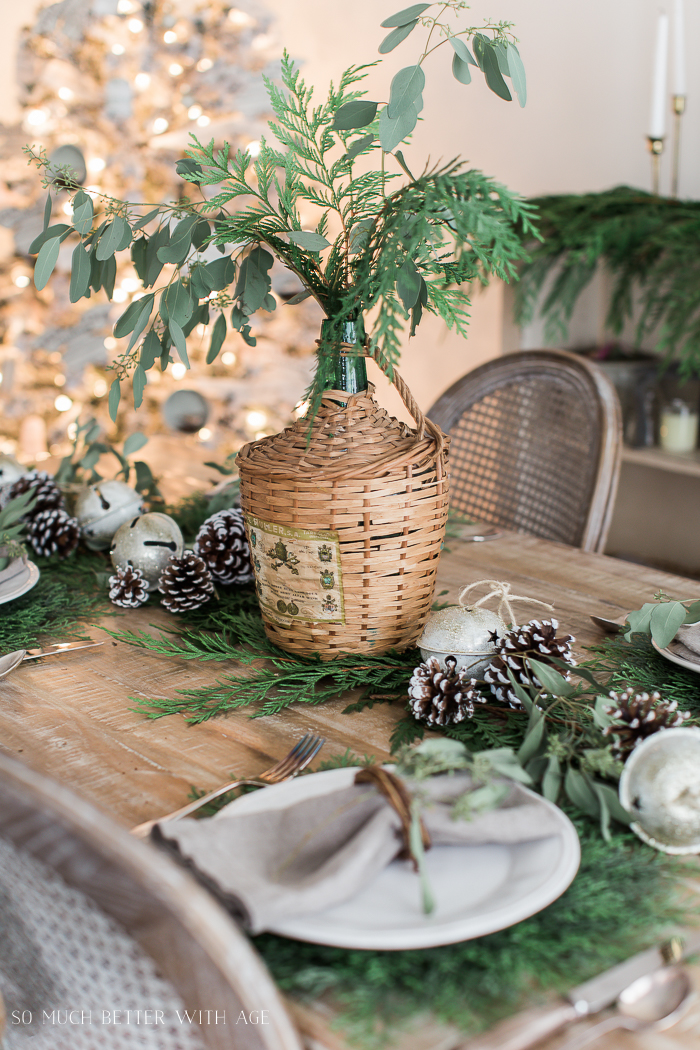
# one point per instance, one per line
(147, 543)
(128, 588)
(102, 508)
(535, 639)
(186, 583)
(660, 788)
(468, 632)
(638, 715)
(442, 695)
(43, 487)
(10, 470)
(223, 545)
(53, 532)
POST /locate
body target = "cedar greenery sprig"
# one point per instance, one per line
(391, 254)
(648, 244)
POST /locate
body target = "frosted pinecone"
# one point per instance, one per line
(223, 545)
(536, 639)
(128, 588)
(44, 488)
(440, 697)
(186, 583)
(638, 715)
(53, 532)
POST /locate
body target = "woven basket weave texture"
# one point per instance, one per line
(382, 487)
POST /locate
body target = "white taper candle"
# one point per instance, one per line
(679, 48)
(657, 122)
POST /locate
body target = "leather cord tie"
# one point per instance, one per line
(399, 798)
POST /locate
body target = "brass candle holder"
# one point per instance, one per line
(679, 110)
(656, 148)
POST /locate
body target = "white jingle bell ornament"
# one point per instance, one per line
(102, 508)
(10, 470)
(468, 632)
(147, 543)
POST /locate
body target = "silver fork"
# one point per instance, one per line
(298, 758)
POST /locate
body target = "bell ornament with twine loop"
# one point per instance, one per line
(102, 508)
(467, 632)
(147, 543)
(355, 503)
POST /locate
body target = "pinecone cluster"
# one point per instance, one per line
(185, 583)
(128, 588)
(536, 639)
(53, 532)
(638, 715)
(440, 697)
(50, 529)
(223, 546)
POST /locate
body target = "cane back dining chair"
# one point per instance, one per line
(535, 446)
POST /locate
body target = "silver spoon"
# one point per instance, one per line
(611, 626)
(651, 1003)
(12, 660)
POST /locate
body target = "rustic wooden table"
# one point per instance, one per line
(71, 716)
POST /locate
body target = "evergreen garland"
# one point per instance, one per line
(649, 244)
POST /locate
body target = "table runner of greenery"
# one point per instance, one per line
(623, 897)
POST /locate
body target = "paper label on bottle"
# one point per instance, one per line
(297, 572)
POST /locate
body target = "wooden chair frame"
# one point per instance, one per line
(589, 386)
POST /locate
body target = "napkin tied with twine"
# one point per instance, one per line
(304, 857)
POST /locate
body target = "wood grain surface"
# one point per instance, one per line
(72, 718)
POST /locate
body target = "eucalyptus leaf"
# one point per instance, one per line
(180, 242)
(408, 284)
(640, 620)
(551, 781)
(517, 73)
(502, 57)
(114, 399)
(580, 793)
(153, 263)
(612, 800)
(221, 273)
(139, 381)
(134, 442)
(488, 60)
(178, 303)
(552, 682)
(113, 238)
(127, 322)
(179, 341)
(406, 87)
(150, 351)
(253, 282)
(393, 132)
(359, 145)
(356, 114)
(218, 334)
(83, 212)
(460, 70)
(601, 715)
(692, 614)
(521, 693)
(79, 273)
(313, 242)
(60, 230)
(139, 256)
(534, 738)
(201, 281)
(299, 297)
(665, 620)
(187, 167)
(48, 208)
(46, 261)
(201, 233)
(462, 51)
(402, 161)
(404, 16)
(394, 38)
(145, 219)
(141, 321)
(109, 275)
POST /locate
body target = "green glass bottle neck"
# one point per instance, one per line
(348, 371)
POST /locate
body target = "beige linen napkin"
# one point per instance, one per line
(312, 855)
(689, 637)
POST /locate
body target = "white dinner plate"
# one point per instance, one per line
(673, 653)
(478, 889)
(21, 583)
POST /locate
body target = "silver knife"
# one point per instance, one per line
(59, 647)
(531, 1027)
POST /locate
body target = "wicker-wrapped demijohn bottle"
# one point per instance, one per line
(346, 516)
